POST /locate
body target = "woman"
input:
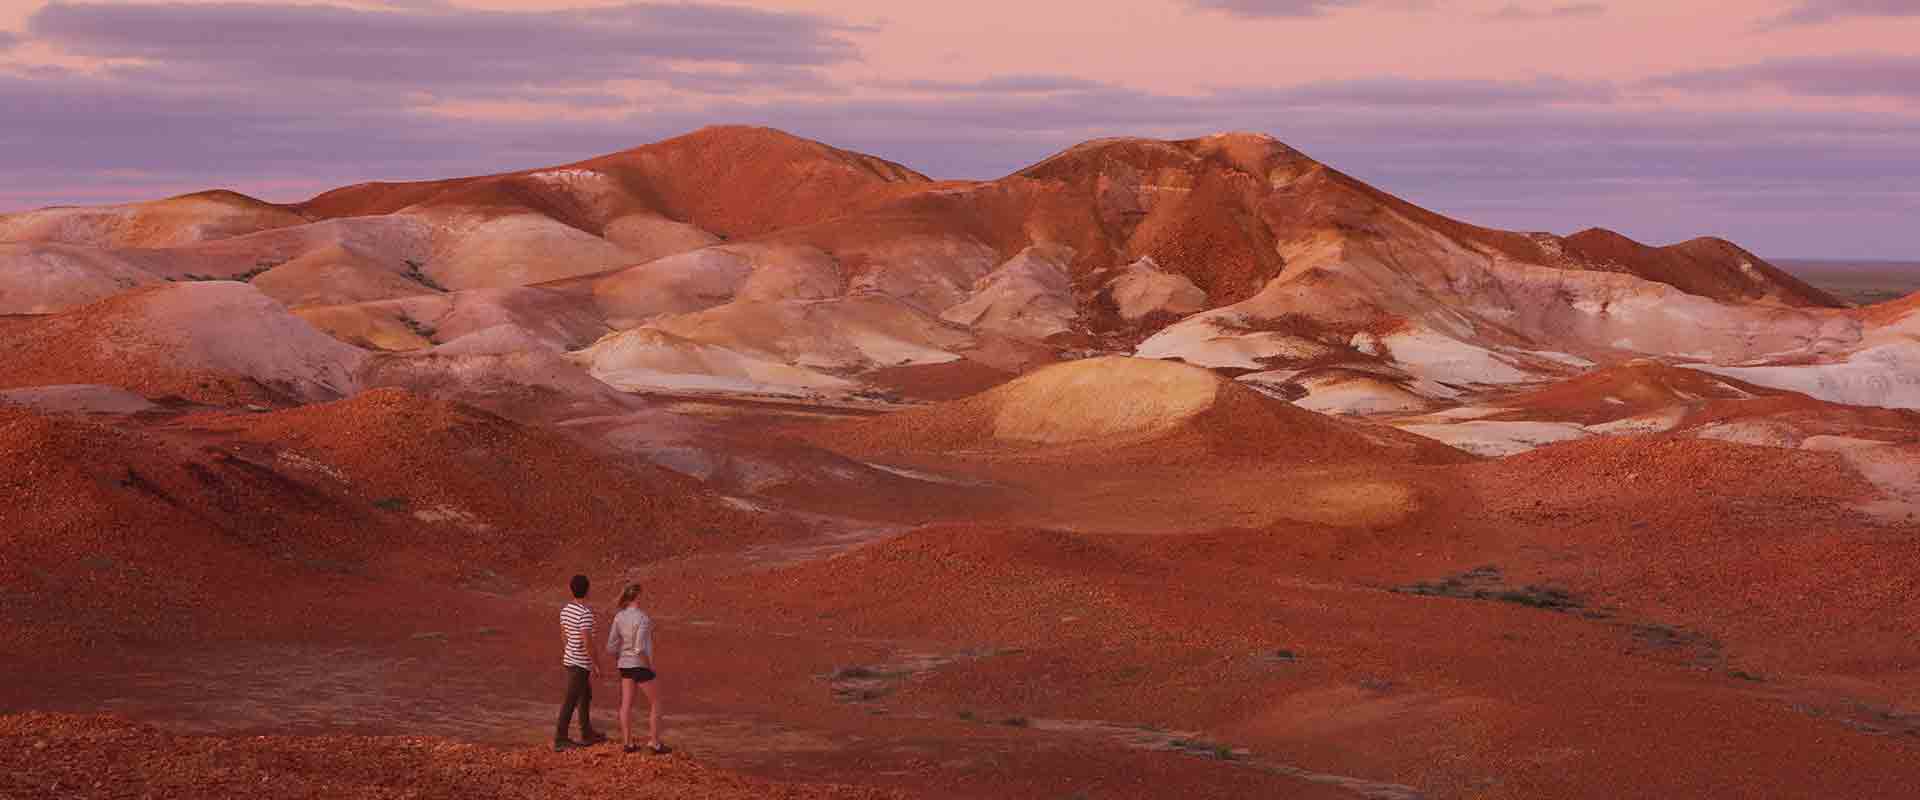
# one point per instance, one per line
(631, 641)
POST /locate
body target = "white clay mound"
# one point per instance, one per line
(713, 276)
(1142, 290)
(646, 359)
(1029, 297)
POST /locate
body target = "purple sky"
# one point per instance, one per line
(1790, 126)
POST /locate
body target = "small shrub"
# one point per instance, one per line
(416, 273)
(395, 504)
(1659, 635)
(259, 268)
(419, 328)
(1200, 747)
(1539, 597)
(1485, 583)
(332, 565)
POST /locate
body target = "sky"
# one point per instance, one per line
(1789, 126)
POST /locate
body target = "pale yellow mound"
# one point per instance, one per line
(1114, 408)
(1102, 399)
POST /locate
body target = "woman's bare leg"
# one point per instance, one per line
(626, 712)
(652, 688)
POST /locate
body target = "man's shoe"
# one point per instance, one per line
(566, 744)
(592, 738)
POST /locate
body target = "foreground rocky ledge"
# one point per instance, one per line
(60, 755)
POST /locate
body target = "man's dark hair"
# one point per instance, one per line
(579, 584)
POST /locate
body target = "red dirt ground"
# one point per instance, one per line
(1738, 628)
(1731, 625)
(142, 528)
(52, 755)
(1636, 388)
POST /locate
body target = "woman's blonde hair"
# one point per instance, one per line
(628, 594)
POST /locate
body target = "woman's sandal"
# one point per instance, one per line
(658, 749)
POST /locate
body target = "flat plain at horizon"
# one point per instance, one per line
(1859, 281)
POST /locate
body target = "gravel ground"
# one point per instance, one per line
(55, 755)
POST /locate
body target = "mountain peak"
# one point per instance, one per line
(1253, 153)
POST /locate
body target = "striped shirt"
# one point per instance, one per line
(576, 622)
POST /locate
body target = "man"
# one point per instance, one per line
(582, 663)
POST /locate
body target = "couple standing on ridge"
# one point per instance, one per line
(630, 642)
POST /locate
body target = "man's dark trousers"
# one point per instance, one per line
(580, 695)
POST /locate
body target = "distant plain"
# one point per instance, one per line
(1858, 282)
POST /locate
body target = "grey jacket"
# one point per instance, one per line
(631, 639)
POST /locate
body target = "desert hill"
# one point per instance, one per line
(1170, 201)
(733, 182)
(175, 221)
(221, 342)
(748, 260)
(157, 527)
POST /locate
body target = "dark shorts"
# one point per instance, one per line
(637, 674)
